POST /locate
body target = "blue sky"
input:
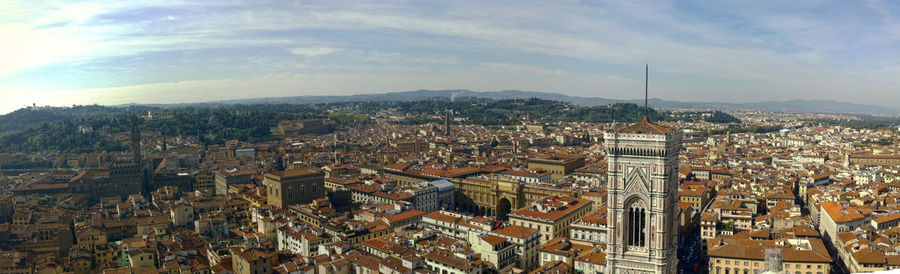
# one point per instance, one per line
(114, 52)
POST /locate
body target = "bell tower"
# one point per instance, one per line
(643, 197)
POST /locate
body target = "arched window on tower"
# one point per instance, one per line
(636, 224)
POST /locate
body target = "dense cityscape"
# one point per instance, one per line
(384, 195)
(449, 137)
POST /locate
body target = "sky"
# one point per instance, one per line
(115, 52)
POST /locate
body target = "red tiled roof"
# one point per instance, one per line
(645, 127)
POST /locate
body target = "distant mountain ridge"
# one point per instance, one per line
(801, 106)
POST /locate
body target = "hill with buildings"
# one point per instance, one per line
(80, 129)
(802, 106)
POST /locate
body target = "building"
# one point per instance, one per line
(697, 195)
(559, 165)
(181, 214)
(593, 261)
(525, 240)
(590, 229)
(874, 160)
(554, 267)
(204, 180)
(120, 179)
(561, 249)
(551, 215)
(142, 257)
(226, 178)
(411, 147)
(301, 127)
(182, 179)
(530, 177)
(135, 141)
(495, 250)
(431, 196)
(252, 261)
(643, 165)
(295, 186)
(305, 242)
(836, 218)
(731, 255)
(526, 244)
(441, 261)
(885, 222)
(495, 197)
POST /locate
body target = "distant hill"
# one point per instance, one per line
(28, 117)
(801, 106)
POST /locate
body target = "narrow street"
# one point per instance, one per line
(689, 253)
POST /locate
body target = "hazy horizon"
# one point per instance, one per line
(146, 52)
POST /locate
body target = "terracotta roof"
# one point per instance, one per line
(838, 214)
(553, 267)
(516, 231)
(493, 240)
(564, 206)
(452, 260)
(563, 247)
(888, 218)
(869, 256)
(595, 256)
(893, 260)
(645, 127)
(755, 250)
(296, 172)
(437, 215)
(412, 213)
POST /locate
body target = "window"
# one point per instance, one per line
(636, 222)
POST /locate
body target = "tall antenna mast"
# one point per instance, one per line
(646, 82)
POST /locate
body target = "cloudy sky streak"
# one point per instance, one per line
(114, 52)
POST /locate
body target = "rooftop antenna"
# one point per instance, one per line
(646, 82)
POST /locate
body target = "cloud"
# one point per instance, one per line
(400, 58)
(716, 50)
(315, 51)
(890, 21)
(521, 69)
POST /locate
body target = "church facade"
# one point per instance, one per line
(643, 196)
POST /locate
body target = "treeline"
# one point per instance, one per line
(210, 124)
(216, 124)
(748, 129)
(26, 164)
(865, 122)
(63, 137)
(880, 142)
(716, 117)
(29, 117)
(719, 117)
(513, 111)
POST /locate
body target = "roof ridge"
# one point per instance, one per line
(645, 126)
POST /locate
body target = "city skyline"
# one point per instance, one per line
(174, 52)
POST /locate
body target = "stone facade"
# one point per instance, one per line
(643, 196)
